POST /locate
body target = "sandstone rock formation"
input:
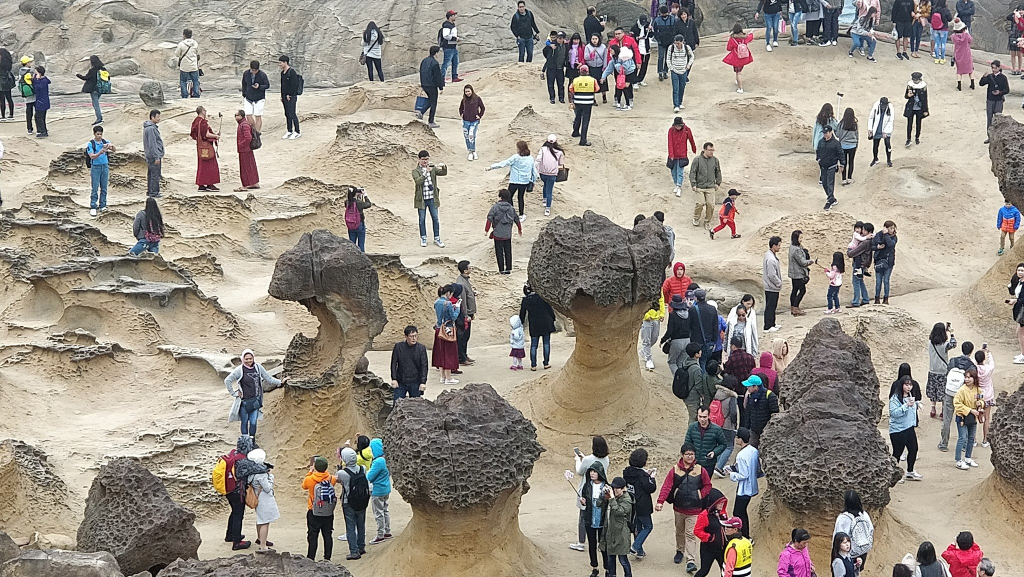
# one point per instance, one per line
(338, 284)
(129, 513)
(408, 297)
(152, 94)
(33, 495)
(58, 563)
(262, 565)
(8, 548)
(462, 463)
(604, 278)
(1007, 154)
(1007, 438)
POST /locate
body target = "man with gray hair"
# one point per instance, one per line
(986, 568)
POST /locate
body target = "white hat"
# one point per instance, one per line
(257, 455)
(552, 138)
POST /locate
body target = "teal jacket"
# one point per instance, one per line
(378, 475)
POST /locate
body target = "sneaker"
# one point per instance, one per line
(352, 557)
(286, 136)
(423, 242)
(768, 47)
(377, 541)
(617, 105)
(971, 462)
(889, 164)
(721, 474)
(547, 212)
(295, 135)
(92, 212)
(627, 107)
(825, 43)
(862, 52)
(434, 125)
(577, 546)
(650, 367)
(774, 329)
(678, 191)
(985, 444)
(642, 83)
(871, 59)
(739, 91)
(850, 54)
(834, 43)
(907, 144)
(942, 60)
(962, 465)
(522, 218)
(470, 157)
(1018, 360)
(438, 242)
(1000, 253)
(828, 204)
(936, 60)
(676, 109)
(678, 558)
(457, 80)
(475, 157)
(914, 476)
(905, 56)
(241, 545)
(387, 535)
(691, 567)
(828, 312)
(343, 537)
(775, 43)
(873, 162)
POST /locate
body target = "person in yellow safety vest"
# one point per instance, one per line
(739, 553)
(581, 99)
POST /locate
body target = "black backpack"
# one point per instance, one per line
(358, 490)
(256, 142)
(301, 85)
(681, 383)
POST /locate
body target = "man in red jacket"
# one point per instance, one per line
(623, 39)
(679, 135)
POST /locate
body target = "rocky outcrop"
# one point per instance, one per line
(43, 10)
(152, 94)
(338, 284)
(129, 513)
(262, 565)
(8, 548)
(462, 463)
(1007, 438)
(58, 563)
(33, 494)
(604, 278)
(408, 297)
(1007, 154)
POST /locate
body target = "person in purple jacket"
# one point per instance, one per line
(41, 86)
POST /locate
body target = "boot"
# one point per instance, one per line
(885, 301)
(972, 84)
(800, 312)
(794, 311)
(877, 301)
(958, 85)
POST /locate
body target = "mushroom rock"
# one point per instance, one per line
(1007, 438)
(462, 463)
(338, 284)
(603, 277)
(270, 564)
(1007, 154)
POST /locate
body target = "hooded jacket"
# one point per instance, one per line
(188, 53)
(677, 141)
(364, 457)
(691, 486)
(641, 486)
(764, 370)
(348, 458)
(674, 285)
(700, 391)
(730, 407)
(874, 117)
(617, 537)
(757, 409)
(794, 563)
(310, 482)
(516, 338)
(378, 475)
(656, 314)
(963, 563)
(920, 90)
(587, 492)
(749, 331)
(152, 142)
(1008, 215)
(501, 217)
(537, 313)
(708, 527)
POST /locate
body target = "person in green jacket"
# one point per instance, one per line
(707, 437)
(426, 195)
(700, 393)
(617, 536)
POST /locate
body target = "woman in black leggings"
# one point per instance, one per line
(880, 123)
(7, 83)
(799, 272)
(917, 106)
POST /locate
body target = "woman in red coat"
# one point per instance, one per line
(738, 53)
(246, 157)
(208, 172)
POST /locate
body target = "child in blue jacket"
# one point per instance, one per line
(1007, 222)
(379, 478)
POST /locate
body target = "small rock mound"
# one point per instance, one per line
(58, 563)
(262, 565)
(152, 94)
(1007, 438)
(130, 514)
(33, 495)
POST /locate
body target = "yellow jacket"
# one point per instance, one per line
(364, 458)
(656, 314)
(966, 399)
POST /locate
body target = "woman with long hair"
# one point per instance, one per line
(522, 172)
(207, 169)
(1016, 29)
(7, 83)
(572, 67)
(472, 111)
(1014, 287)
(148, 228)
(928, 564)
(826, 117)
(622, 67)
(885, 258)
(940, 33)
(940, 342)
(247, 170)
(357, 202)
(550, 160)
(799, 271)
(968, 405)
(373, 41)
(854, 515)
(847, 134)
(595, 55)
(445, 354)
(904, 371)
(863, 32)
(903, 424)
(842, 564)
(91, 86)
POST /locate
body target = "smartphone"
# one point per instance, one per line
(312, 460)
(948, 327)
(578, 452)
(984, 345)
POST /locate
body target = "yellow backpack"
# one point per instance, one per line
(219, 477)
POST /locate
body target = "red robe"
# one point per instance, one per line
(207, 171)
(246, 157)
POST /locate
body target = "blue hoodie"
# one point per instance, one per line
(378, 475)
(1008, 214)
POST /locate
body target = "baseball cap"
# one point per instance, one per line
(450, 13)
(26, 59)
(618, 483)
(752, 381)
(733, 523)
(826, 128)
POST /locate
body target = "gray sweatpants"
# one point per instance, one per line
(649, 333)
(381, 514)
(677, 354)
(947, 420)
(153, 178)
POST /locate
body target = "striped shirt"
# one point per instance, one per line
(582, 90)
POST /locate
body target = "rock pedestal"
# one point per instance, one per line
(1007, 438)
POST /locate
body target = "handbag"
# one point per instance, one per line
(665, 348)
(252, 498)
(255, 142)
(620, 79)
(422, 103)
(529, 187)
(206, 151)
(447, 332)
(362, 59)
(563, 175)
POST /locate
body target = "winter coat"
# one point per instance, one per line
(829, 153)
(679, 326)
(430, 73)
(675, 285)
(501, 217)
(962, 52)
(708, 527)
(617, 538)
(266, 510)
(997, 85)
(799, 263)
(91, 78)
(691, 486)
(677, 141)
(595, 56)
(887, 122)
(888, 251)
(765, 371)
(1014, 288)
(582, 467)
(665, 29)
(793, 563)
(705, 172)
(749, 331)
(261, 80)
(379, 476)
(523, 25)
(709, 440)
(771, 273)
(236, 375)
(309, 483)
(538, 314)
(468, 294)
(641, 486)
(587, 491)
(730, 407)
(1008, 218)
(41, 86)
(701, 392)
(592, 24)
(757, 409)
(522, 169)
(920, 90)
(473, 109)
(731, 57)
(517, 337)
(556, 56)
(418, 179)
(627, 42)
(963, 563)
(688, 28)
(703, 323)
(818, 132)
(152, 142)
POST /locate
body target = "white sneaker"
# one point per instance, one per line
(423, 242)
(985, 444)
(451, 381)
(577, 546)
(834, 43)
(774, 329)
(343, 537)
(962, 465)
(627, 107)
(768, 47)
(739, 91)
(1018, 360)
(682, 106)
(617, 105)
(470, 156)
(650, 365)
(643, 83)
(676, 109)
(547, 212)
(775, 43)
(678, 191)
(971, 462)
(295, 135)
(475, 157)
(522, 218)
(92, 212)
(438, 242)
(914, 476)
(286, 136)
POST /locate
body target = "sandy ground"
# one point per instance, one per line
(173, 413)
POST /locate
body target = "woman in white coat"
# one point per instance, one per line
(248, 406)
(745, 327)
(266, 509)
(372, 54)
(880, 123)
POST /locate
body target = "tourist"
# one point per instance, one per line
(266, 508)
(592, 25)
(289, 97)
(355, 517)
(409, 366)
(855, 522)
(771, 278)
(727, 214)
(650, 329)
(535, 311)
(965, 12)
(323, 524)
(207, 170)
(940, 30)
(372, 50)
(572, 68)
(41, 91)
(704, 329)
(187, 53)
(556, 58)
(679, 61)
(687, 27)
(247, 170)
(830, 21)
(880, 125)
(829, 155)
(903, 423)
(623, 67)
(706, 437)
(968, 405)
(1016, 29)
(1014, 288)
(922, 14)
(842, 564)
(847, 135)
(379, 478)
(550, 161)
(148, 229)
(679, 135)
(623, 40)
(705, 178)
(835, 282)
(25, 86)
(711, 532)
(595, 55)
(233, 492)
(448, 39)
(986, 568)
(745, 474)
(986, 366)
(677, 284)
(962, 54)
(471, 109)
(7, 84)
(641, 32)
(863, 32)
(772, 10)
(598, 454)
(757, 408)
(524, 29)
(669, 232)
(1007, 223)
(826, 117)
(687, 482)
(812, 19)
(469, 307)
(797, 9)
(964, 556)
(615, 538)
(917, 105)
(522, 173)
(432, 82)
(665, 33)
(501, 217)
(677, 335)
(740, 363)
(764, 371)
(594, 503)
(427, 195)
(737, 53)
(720, 345)
(250, 377)
(904, 371)
(92, 79)
(729, 411)
(742, 322)
(355, 219)
(517, 342)
(795, 559)
(254, 94)
(153, 150)
(98, 150)
(641, 483)
(799, 271)
(445, 354)
(582, 99)
(860, 251)
(940, 342)
(997, 88)
(885, 258)
(928, 564)
(739, 551)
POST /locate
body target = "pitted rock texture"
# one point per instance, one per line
(462, 450)
(58, 563)
(8, 548)
(152, 94)
(827, 441)
(262, 565)
(33, 495)
(1007, 438)
(129, 513)
(1007, 154)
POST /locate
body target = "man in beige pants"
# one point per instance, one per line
(705, 178)
(688, 482)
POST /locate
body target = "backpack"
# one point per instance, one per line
(715, 413)
(324, 499)
(358, 490)
(681, 384)
(25, 86)
(742, 50)
(301, 84)
(103, 81)
(861, 535)
(954, 380)
(352, 217)
(937, 21)
(256, 142)
(220, 475)
(88, 159)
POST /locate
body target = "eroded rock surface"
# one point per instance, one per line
(58, 563)
(262, 565)
(1007, 154)
(33, 494)
(1007, 438)
(152, 94)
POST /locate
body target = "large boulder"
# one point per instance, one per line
(1007, 438)
(8, 548)
(58, 563)
(1007, 155)
(129, 513)
(152, 94)
(262, 565)
(43, 10)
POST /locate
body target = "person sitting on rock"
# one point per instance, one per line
(684, 487)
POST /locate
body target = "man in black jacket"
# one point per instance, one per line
(592, 25)
(665, 32)
(861, 255)
(703, 325)
(830, 159)
(524, 28)
(254, 93)
(997, 88)
(409, 366)
(289, 96)
(432, 82)
(556, 58)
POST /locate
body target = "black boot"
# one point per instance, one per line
(972, 84)
(958, 83)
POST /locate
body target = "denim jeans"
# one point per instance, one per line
(882, 276)
(860, 291)
(549, 188)
(859, 41)
(100, 176)
(644, 526)
(964, 438)
(534, 341)
(832, 298)
(183, 79)
(771, 27)
(249, 419)
(355, 529)
(469, 133)
(525, 49)
(730, 442)
(142, 245)
(451, 56)
(679, 87)
(915, 36)
(794, 21)
(939, 43)
(96, 105)
(662, 60)
(402, 391)
(358, 236)
(679, 173)
(705, 355)
(429, 205)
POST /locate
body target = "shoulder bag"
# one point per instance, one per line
(447, 332)
(362, 57)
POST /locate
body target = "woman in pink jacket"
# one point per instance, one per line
(795, 559)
